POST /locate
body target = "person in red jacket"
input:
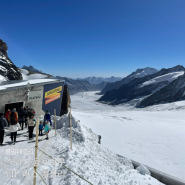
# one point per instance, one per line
(7, 114)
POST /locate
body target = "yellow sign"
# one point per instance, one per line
(52, 95)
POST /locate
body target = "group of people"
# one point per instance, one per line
(25, 116)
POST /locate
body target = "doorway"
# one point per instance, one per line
(16, 105)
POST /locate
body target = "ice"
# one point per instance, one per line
(143, 170)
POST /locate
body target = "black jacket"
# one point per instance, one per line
(3, 123)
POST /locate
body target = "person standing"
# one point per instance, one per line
(47, 129)
(40, 128)
(3, 123)
(13, 119)
(31, 124)
(22, 115)
(7, 115)
(26, 116)
(47, 117)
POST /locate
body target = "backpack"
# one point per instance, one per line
(12, 118)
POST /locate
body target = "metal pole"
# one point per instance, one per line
(70, 128)
(36, 145)
(55, 122)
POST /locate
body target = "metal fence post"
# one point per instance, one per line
(36, 145)
(55, 122)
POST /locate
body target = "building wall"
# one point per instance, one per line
(20, 95)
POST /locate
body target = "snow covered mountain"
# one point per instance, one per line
(140, 88)
(139, 73)
(28, 75)
(8, 71)
(97, 80)
(174, 91)
(31, 68)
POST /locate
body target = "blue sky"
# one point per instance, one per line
(94, 37)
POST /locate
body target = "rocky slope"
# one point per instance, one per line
(8, 71)
(97, 80)
(142, 87)
(139, 73)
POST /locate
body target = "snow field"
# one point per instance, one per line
(153, 136)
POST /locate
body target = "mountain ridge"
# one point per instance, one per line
(133, 89)
(136, 74)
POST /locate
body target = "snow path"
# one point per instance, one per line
(154, 138)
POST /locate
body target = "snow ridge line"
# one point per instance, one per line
(65, 167)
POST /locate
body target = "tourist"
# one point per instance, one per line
(31, 124)
(3, 123)
(40, 128)
(13, 119)
(47, 129)
(47, 118)
(7, 115)
(22, 115)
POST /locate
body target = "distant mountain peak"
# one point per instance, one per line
(31, 68)
(97, 80)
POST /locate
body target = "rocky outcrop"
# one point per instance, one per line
(8, 71)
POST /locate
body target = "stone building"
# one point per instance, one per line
(39, 94)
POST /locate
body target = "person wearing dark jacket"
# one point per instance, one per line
(26, 116)
(47, 117)
(22, 115)
(3, 123)
(13, 119)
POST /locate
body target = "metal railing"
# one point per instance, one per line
(160, 176)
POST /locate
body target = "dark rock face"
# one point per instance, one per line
(3, 46)
(175, 91)
(76, 86)
(134, 90)
(137, 74)
(7, 69)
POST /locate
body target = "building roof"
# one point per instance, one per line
(16, 84)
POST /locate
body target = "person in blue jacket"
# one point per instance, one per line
(40, 128)
(47, 117)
